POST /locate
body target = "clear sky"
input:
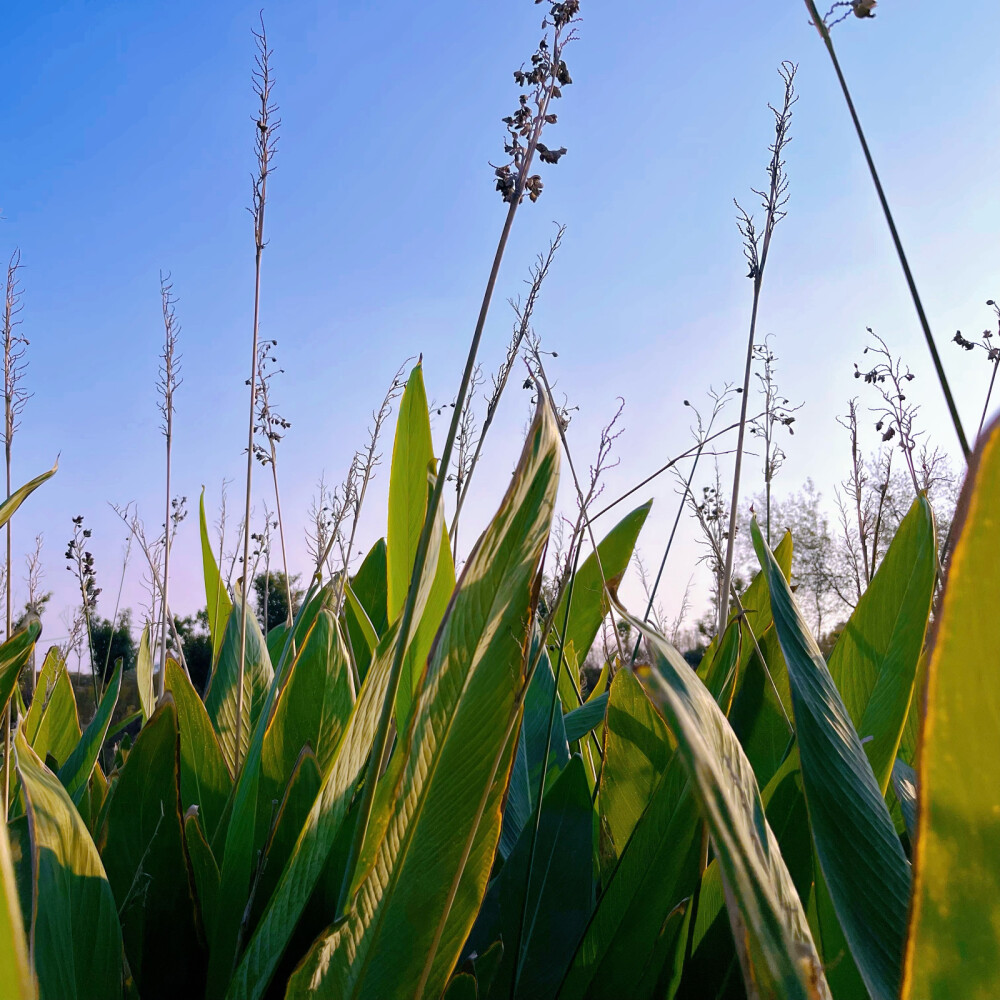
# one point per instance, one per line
(127, 149)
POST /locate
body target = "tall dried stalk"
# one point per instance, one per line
(265, 144)
(755, 248)
(863, 9)
(15, 396)
(271, 427)
(37, 598)
(168, 382)
(514, 181)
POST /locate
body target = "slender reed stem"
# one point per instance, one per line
(666, 551)
(521, 329)
(824, 33)
(581, 499)
(265, 146)
(693, 450)
(756, 248)
(168, 382)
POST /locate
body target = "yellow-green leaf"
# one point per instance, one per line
(15, 972)
(76, 941)
(954, 927)
(219, 604)
(440, 815)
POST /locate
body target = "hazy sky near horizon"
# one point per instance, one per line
(128, 136)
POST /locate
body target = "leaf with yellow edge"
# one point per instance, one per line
(952, 948)
(15, 973)
(76, 939)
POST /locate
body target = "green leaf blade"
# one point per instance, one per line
(860, 855)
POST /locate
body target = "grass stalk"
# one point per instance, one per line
(756, 247)
(168, 382)
(265, 141)
(14, 399)
(824, 33)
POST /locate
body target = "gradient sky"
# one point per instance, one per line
(127, 149)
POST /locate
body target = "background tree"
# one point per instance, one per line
(109, 642)
(271, 604)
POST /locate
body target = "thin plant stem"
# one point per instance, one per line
(118, 601)
(167, 384)
(986, 402)
(693, 450)
(666, 551)
(824, 33)
(538, 274)
(579, 493)
(265, 140)
(756, 248)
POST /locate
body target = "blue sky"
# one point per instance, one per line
(128, 149)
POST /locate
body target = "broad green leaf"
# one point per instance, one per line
(142, 847)
(205, 779)
(367, 604)
(587, 717)
(221, 697)
(277, 639)
(561, 895)
(951, 950)
(362, 633)
(238, 857)
(859, 853)
(290, 813)
(76, 940)
(320, 831)
(776, 946)
(216, 596)
(76, 772)
(756, 601)
(412, 461)
(144, 675)
(590, 603)
(637, 750)
(203, 868)
(15, 655)
(436, 847)
(646, 804)
(413, 468)
(312, 710)
(21, 494)
(761, 711)
(461, 987)
(721, 676)
(522, 791)
(54, 729)
(15, 972)
(874, 662)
